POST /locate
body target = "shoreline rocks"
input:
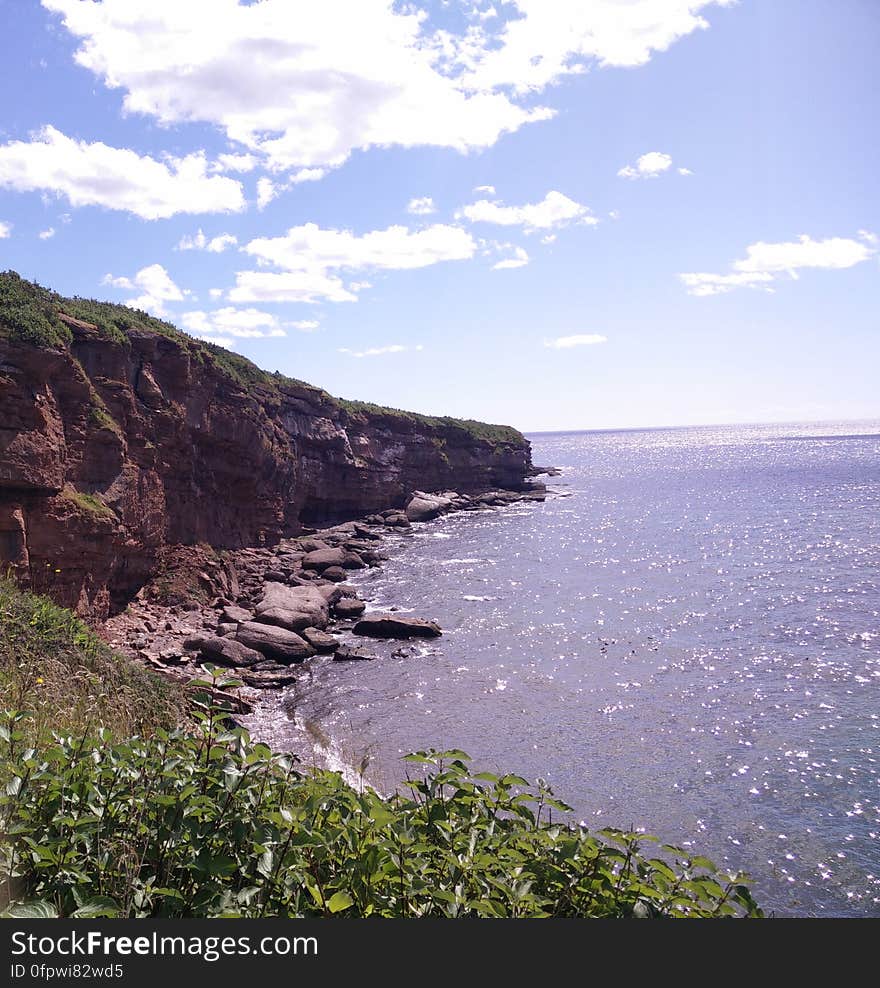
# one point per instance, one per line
(283, 607)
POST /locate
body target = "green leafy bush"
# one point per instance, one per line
(207, 823)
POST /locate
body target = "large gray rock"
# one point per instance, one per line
(234, 613)
(224, 651)
(293, 608)
(395, 626)
(322, 559)
(424, 507)
(320, 640)
(347, 607)
(275, 643)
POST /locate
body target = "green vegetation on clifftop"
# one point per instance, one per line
(30, 314)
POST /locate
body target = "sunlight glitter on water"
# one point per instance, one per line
(690, 643)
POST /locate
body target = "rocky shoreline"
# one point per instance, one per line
(267, 613)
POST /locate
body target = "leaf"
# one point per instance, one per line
(99, 907)
(38, 909)
(339, 901)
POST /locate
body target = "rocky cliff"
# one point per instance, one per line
(121, 437)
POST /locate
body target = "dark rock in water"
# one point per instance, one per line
(225, 651)
(351, 560)
(320, 640)
(334, 573)
(346, 653)
(424, 507)
(237, 614)
(293, 608)
(394, 626)
(269, 679)
(321, 559)
(349, 607)
(275, 643)
(397, 519)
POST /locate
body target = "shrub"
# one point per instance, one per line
(208, 823)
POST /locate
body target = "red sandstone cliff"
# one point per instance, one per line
(111, 451)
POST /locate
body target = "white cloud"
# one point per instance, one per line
(488, 189)
(267, 190)
(519, 260)
(554, 38)
(304, 325)
(581, 339)
(198, 241)
(421, 207)
(685, 171)
(215, 292)
(307, 255)
(5, 230)
(117, 178)
(648, 165)
(156, 286)
(248, 324)
(235, 163)
(307, 175)
(869, 238)
(289, 286)
(704, 283)
(764, 262)
(379, 350)
(549, 238)
(305, 85)
(47, 234)
(553, 210)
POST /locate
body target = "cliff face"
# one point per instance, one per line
(113, 450)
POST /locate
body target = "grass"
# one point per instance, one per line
(89, 503)
(29, 314)
(54, 666)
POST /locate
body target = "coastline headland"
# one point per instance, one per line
(128, 448)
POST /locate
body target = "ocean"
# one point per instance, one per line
(685, 638)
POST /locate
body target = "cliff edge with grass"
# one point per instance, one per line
(122, 437)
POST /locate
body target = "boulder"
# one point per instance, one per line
(275, 643)
(346, 653)
(269, 679)
(347, 607)
(334, 573)
(321, 559)
(395, 626)
(352, 560)
(424, 507)
(320, 640)
(293, 608)
(224, 651)
(237, 614)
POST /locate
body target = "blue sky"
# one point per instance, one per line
(552, 213)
